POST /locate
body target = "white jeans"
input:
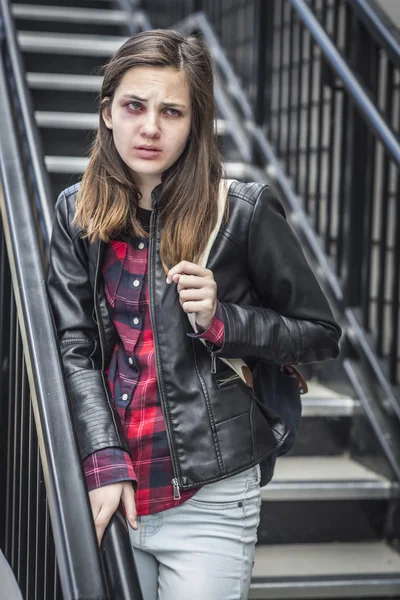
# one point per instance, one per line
(204, 548)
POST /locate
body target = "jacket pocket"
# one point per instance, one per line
(227, 378)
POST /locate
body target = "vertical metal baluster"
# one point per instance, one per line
(9, 548)
(48, 562)
(57, 595)
(309, 103)
(5, 358)
(264, 28)
(382, 256)
(281, 77)
(273, 125)
(51, 562)
(366, 276)
(384, 213)
(289, 90)
(394, 373)
(23, 472)
(40, 565)
(268, 33)
(17, 393)
(333, 139)
(31, 507)
(299, 127)
(357, 190)
(320, 134)
(344, 174)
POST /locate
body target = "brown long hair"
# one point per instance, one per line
(108, 197)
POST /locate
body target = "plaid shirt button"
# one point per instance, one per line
(135, 321)
(130, 360)
(141, 246)
(136, 283)
(124, 397)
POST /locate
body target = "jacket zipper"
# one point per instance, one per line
(210, 347)
(213, 363)
(175, 485)
(175, 481)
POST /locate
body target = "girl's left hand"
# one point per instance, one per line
(197, 291)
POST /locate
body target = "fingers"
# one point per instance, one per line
(202, 309)
(203, 294)
(194, 282)
(104, 501)
(197, 291)
(101, 522)
(187, 268)
(128, 498)
(201, 301)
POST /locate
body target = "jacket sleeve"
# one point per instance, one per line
(71, 298)
(294, 323)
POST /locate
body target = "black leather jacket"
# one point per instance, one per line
(272, 306)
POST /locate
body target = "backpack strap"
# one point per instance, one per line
(224, 186)
(236, 364)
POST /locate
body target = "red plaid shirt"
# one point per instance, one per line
(133, 383)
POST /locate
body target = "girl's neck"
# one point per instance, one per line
(146, 186)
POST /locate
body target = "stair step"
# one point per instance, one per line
(73, 120)
(66, 164)
(60, 81)
(321, 401)
(77, 165)
(71, 44)
(326, 478)
(101, 4)
(66, 120)
(71, 14)
(344, 570)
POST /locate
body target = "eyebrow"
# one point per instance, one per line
(169, 104)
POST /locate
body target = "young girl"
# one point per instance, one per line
(162, 422)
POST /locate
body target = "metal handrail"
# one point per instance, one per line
(75, 541)
(41, 178)
(373, 18)
(367, 108)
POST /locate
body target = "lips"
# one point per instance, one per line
(147, 152)
(148, 148)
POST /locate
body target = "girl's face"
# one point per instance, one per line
(150, 117)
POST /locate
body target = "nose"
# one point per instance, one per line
(150, 125)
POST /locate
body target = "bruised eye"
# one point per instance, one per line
(173, 112)
(134, 105)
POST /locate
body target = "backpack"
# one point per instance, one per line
(275, 388)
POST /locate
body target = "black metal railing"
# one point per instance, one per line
(343, 157)
(46, 527)
(45, 512)
(338, 145)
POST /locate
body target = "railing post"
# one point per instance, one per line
(357, 190)
(5, 302)
(264, 21)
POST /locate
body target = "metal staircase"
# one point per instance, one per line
(329, 519)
